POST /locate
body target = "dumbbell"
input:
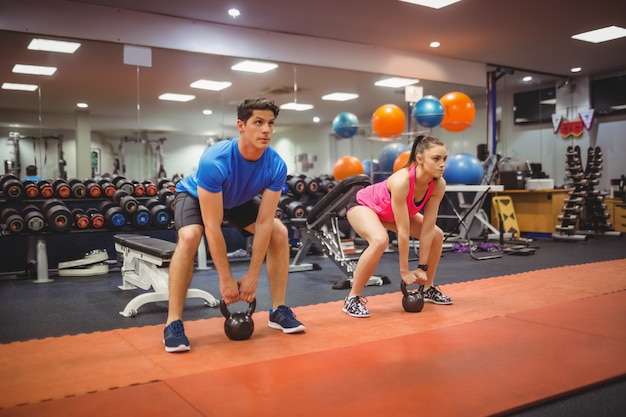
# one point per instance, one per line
(61, 188)
(12, 219)
(166, 183)
(58, 216)
(151, 188)
(166, 197)
(94, 190)
(45, 189)
(34, 220)
(96, 219)
(121, 183)
(312, 185)
(12, 187)
(297, 186)
(78, 188)
(291, 208)
(141, 217)
(127, 202)
(158, 212)
(138, 189)
(113, 214)
(327, 185)
(81, 220)
(31, 190)
(108, 189)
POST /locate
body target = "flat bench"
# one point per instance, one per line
(145, 265)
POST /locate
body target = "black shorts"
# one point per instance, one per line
(352, 203)
(187, 211)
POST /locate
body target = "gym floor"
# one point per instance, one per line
(536, 335)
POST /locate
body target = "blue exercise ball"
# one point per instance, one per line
(371, 167)
(388, 155)
(463, 168)
(428, 111)
(345, 125)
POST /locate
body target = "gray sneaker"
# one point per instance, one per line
(355, 306)
(433, 295)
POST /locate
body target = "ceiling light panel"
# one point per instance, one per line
(50, 45)
(19, 87)
(210, 85)
(254, 66)
(340, 96)
(396, 82)
(176, 97)
(33, 69)
(601, 35)
(296, 106)
(433, 4)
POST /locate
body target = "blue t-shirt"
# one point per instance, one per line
(222, 168)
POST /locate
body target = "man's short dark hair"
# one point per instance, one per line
(247, 106)
(31, 170)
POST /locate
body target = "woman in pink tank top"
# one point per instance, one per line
(395, 204)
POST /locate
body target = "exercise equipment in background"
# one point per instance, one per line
(463, 168)
(388, 121)
(459, 111)
(345, 125)
(347, 166)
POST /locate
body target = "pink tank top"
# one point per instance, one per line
(378, 198)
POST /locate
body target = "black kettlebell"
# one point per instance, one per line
(239, 325)
(412, 301)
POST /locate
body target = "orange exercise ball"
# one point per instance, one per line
(401, 160)
(388, 121)
(458, 111)
(347, 166)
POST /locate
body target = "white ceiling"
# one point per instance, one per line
(533, 35)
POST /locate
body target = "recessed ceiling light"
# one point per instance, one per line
(176, 97)
(207, 112)
(19, 87)
(527, 79)
(435, 44)
(433, 4)
(316, 119)
(601, 35)
(254, 66)
(33, 69)
(296, 106)
(82, 105)
(234, 13)
(50, 45)
(576, 69)
(210, 85)
(395, 82)
(340, 96)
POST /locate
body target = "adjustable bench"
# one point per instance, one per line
(145, 265)
(321, 227)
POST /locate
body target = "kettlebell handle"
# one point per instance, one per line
(403, 287)
(226, 312)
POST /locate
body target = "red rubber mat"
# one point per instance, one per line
(506, 343)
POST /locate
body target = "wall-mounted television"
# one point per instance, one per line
(533, 107)
(608, 95)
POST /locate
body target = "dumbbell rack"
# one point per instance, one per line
(68, 207)
(584, 205)
(596, 219)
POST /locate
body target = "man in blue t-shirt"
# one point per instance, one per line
(230, 175)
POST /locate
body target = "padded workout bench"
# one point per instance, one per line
(145, 266)
(321, 227)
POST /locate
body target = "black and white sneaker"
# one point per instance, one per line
(355, 306)
(433, 295)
